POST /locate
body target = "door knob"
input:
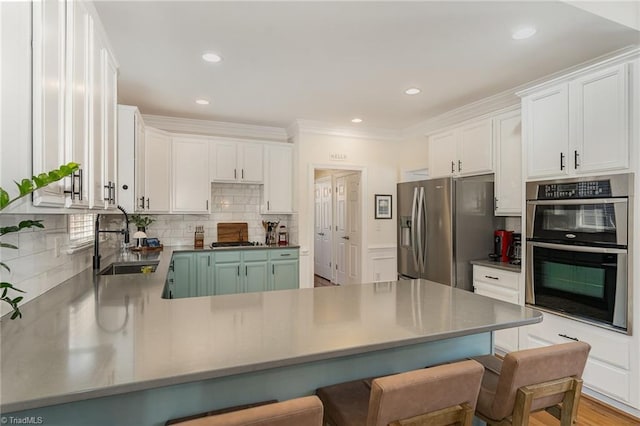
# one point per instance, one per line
(345, 238)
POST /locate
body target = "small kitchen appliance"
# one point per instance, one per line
(515, 249)
(501, 245)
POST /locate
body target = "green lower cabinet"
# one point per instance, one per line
(227, 278)
(211, 273)
(256, 276)
(184, 275)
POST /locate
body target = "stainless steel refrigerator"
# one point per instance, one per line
(443, 224)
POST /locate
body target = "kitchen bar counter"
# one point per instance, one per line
(104, 336)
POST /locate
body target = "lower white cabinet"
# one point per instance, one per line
(501, 285)
(611, 366)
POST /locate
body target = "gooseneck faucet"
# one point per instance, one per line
(97, 231)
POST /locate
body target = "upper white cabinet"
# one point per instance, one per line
(234, 161)
(462, 151)
(507, 132)
(578, 126)
(157, 166)
(130, 152)
(278, 185)
(191, 188)
(49, 34)
(74, 83)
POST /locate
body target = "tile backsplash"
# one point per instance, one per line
(230, 202)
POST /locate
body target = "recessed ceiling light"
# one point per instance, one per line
(522, 33)
(202, 102)
(211, 57)
(356, 120)
(412, 91)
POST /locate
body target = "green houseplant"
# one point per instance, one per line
(26, 187)
(142, 221)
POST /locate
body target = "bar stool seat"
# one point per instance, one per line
(305, 411)
(547, 378)
(441, 395)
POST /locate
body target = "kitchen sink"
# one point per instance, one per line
(128, 268)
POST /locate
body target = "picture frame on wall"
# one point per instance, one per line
(383, 204)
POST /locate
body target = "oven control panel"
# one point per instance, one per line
(585, 189)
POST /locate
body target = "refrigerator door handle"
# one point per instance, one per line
(414, 248)
(426, 226)
(420, 242)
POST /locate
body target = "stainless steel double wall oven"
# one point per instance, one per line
(579, 248)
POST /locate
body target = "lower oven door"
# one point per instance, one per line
(585, 282)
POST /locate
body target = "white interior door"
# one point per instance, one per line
(317, 228)
(353, 231)
(322, 228)
(341, 236)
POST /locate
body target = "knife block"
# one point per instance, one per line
(198, 238)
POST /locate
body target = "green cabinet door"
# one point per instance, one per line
(204, 275)
(227, 278)
(284, 274)
(184, 275)
(256, 276)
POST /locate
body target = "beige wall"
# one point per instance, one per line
(413, 153)
(377, 159)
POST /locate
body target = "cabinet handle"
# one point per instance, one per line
(562, 161)
(285, 254)
(148, 204)
(267, 205)
(495, 203)
(459, 165)
(273, 269)
(80, 175)
(235, 174)
(73, 191)
(107, 197)
(207, 205)
(246, 270)
(142, 202)
(242, 173)
(491, 278)
(453, 167)
(568, 337)
(238, 270)
(575, 159)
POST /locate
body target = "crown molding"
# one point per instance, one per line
(321, 128)
(613, 58)
(215, 128)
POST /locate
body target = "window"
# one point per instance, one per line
(81, 229)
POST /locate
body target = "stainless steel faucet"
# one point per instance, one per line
(97, 231)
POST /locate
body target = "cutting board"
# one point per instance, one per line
(231, 232)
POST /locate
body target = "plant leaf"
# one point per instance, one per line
(4, 265)
(25, 187)
(8, 285)
(4, 198)
(8, 229)
(7, 245)
(30, 224)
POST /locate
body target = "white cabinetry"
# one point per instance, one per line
(234, 161)
(610, 366)
(130, 158)
(191, 188)
(462, 151)
(278, 185)
(578, 126)
(508, 179)
(501, 285)
(157, 167)
(49, 32)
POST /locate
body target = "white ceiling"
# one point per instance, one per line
(332, 61)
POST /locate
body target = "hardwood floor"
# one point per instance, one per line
(590, 413)
(318, 281)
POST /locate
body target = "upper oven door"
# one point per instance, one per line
(599, 221)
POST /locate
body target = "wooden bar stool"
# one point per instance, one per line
(439, 395)
(294, 412)
(547, 378)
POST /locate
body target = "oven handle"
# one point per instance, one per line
(578, 201)
(583, 249)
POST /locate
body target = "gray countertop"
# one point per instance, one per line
(94, 336)
(505, 266)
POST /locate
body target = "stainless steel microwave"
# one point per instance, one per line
(578, 248)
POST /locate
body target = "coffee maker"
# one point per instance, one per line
(501, 245)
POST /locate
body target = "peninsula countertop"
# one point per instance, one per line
(94, 336)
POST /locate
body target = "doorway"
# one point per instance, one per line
(337, 227)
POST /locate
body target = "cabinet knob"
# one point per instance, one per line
(125, 187)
